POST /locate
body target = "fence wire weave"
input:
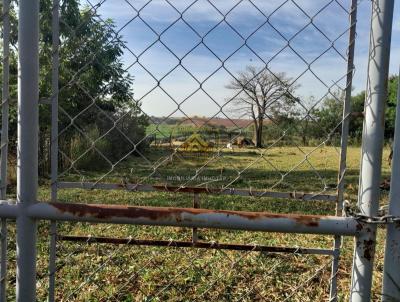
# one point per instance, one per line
(197, 152)
(198, 170)
(177, 274)
(112, 118)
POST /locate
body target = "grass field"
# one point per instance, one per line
(99, 272)
(162, 130)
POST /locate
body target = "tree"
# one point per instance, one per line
(330, 114)
(391, 107)
(356, 119)
(357, 104)
(261, 95)
(95, 89)
(305, 124)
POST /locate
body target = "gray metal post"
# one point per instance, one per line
(54, 143)
(343, 145)
(391, 269)
(27, 153)
(54, 99)
(371, 157)
(4, 142)
(5, 98)
(196, 205)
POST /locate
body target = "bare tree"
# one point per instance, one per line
(261, 95)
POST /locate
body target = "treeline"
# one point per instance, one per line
(294, 127)
(324, 121)
(99, 121)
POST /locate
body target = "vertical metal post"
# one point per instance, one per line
(391, 269)
(54, 101)
(54, 143)
(5, 98)
(372, 145)
(4, 142)
(343, 145)
(196, 204)
(27, 153)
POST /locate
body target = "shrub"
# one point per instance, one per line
(86, 155)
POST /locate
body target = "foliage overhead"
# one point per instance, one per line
(95, 89)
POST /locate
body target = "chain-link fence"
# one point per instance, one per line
(253, 104)
(255, 107)
(170, 134)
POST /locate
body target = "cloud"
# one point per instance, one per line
(196, 38)
(163, 11)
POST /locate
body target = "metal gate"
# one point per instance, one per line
(200, 190)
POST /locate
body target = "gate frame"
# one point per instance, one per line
(372, 146)
(28, 210)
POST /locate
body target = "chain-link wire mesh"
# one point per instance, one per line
(154, 98)
(261, 133)
(104, 137)
(171, 273)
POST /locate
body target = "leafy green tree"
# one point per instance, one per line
(95, 90)
(356, 122)
(329, 115)
(391, 106)
(356, 119)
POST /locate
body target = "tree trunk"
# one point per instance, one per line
(259, 133)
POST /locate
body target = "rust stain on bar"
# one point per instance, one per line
(102, 211)
(369, 249)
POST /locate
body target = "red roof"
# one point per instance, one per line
(216, 121)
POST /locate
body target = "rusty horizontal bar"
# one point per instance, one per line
(215, 191)
(198, 244)
(186, 217)
(201, 218)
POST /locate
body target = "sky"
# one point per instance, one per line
(183, 53)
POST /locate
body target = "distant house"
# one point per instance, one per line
(217, 122)
(196, 143)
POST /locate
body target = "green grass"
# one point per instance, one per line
(160, 129)
(166, 130)
(96, 272)
(242, 168)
